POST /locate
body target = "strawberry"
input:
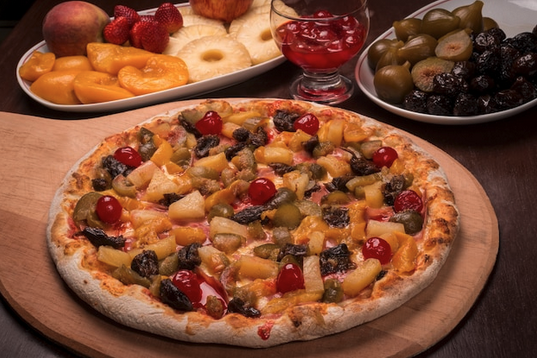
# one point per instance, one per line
(168, 15)
(117, 30)
(127, 12)
(135, 34)
(155, 37)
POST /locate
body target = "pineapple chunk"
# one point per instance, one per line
(362, 277)
(354, 133)
(142, 175)
(295, 143)
(334, 133)
(297, 182)
(273, 154)
(217, 162)
(149, 230)
(334, 166)
(240, 117)
(308, 225)
(313, 281)
(379, 228)
(163, 153)
(159, 185)
(255, 267)
(212, 258)
(191, 207)
(221, 225)
(113, 257)
(316, 243)
(228, 128)
(373, 195)
(163, 248)
(140, 217)
(186, 235)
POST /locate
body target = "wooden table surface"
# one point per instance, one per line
(501, 155)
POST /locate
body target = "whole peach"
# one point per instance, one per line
(69, 26)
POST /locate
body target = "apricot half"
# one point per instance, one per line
(110, 58)
(97, 87)
(66, 63)
(38, 64)
(160, 73)
(56, 87)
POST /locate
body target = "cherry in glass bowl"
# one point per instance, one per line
(320, 36)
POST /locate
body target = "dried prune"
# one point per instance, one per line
(284, 121)
(249, 214)
(508, 98)
(237, 305)
(361, 166)
(98, 238)
(526, 65)
(339, 183)
(524, 42)
(241, 134)
(336, 259)
(259, 138)
(465, 105)
(416, 101)
(464, 69)
(448, 84)
(113, 166)
(482, 84)
(204, 145)
(487, 104)
(525, 88)
(393, 188)
(145, 263)
(296, 250)
(439, 105)
(336, 216)
(189, 257)
(485, 41)
(173, 297)
(488, 62)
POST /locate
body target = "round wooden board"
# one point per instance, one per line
(40, 152)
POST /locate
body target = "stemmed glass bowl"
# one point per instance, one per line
(320, 36)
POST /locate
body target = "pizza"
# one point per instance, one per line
(252, 222)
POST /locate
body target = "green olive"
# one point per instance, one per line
(287, 215)
(333, 292)
(323, 149)
(418, 48)
(267, 251)
(438, 22)
(392, 83)
(411, 220)
(123, 186)
(168, 265)
(282, 196)
(308, 208)
(256, 231)
(406, 28)
(203, 172)
(128, 277)
(181, 156)
(471, 16)
(378, 48)
(337, 197)
(227, 243)
(85, 206)
(291, 259)
(222, 210)
(368, 148)
(281, 236)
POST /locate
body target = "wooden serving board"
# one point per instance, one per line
(36, 154)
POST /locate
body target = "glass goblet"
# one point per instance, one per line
(320, 36)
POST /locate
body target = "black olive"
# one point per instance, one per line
(189, 257)
(145, 263)
(173, 297)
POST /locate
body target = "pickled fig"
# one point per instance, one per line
(418, 48)
(406, 28)
(438, 22)
(392, 83)
(471, 16)
(389, 58)
(489, 23)
(456, 46)
(379, 48)
(424, 71)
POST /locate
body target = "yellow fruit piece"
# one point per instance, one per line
(113, 257)
(362, 277)
(98, 87)
(186, 235)
(161, 72)
(37, 65)
(255, 267)
(163, 153)
(110, 58)
(80, 63)
(404, 260)
(56, 87)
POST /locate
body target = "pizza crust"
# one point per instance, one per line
(134, 307)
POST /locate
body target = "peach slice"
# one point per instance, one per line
(97, 87)
(38, 64)
(66, 63)
(110, 58)
(160, 73)
(56, 87)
